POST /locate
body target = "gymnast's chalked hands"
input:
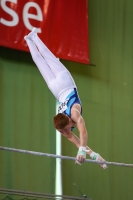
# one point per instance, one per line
(104, 166)
(81, 156)
(97, 157)
(80, 159)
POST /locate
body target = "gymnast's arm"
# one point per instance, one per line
(75, 140)
(78, 119)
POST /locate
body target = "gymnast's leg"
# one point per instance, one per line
(64, 80)
(55, 65)
(40, 62)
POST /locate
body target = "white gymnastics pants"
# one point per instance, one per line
(53, 71)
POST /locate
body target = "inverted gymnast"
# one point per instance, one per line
(63, 87)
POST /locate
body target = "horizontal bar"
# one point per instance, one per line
(38, 195)
(63, 157)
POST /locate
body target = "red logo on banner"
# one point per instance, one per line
(62, 25)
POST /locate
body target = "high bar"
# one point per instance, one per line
(62, 157)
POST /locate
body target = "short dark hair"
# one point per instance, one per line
(60, 121)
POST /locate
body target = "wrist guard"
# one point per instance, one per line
(94, 155)
(82, 151)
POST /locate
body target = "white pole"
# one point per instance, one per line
(58, 181)
(58, 178)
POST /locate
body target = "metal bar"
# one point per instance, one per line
(63, 157)
(38, 195)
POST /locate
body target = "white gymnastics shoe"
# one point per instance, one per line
(33, 33)
(26, 38)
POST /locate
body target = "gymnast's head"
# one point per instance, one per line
(62, 123)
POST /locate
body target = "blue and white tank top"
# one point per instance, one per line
(70, 100)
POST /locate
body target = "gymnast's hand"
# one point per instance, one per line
(96, 156)
(104, 166)
(81, 155)
(80, 159)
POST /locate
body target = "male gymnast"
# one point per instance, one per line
(63, 87)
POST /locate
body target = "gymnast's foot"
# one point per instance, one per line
(26, 38)
(33, 34)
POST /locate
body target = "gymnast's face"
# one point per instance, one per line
(66, 130)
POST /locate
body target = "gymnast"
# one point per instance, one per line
(63, 87)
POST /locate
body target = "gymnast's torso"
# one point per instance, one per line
(66, 103)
